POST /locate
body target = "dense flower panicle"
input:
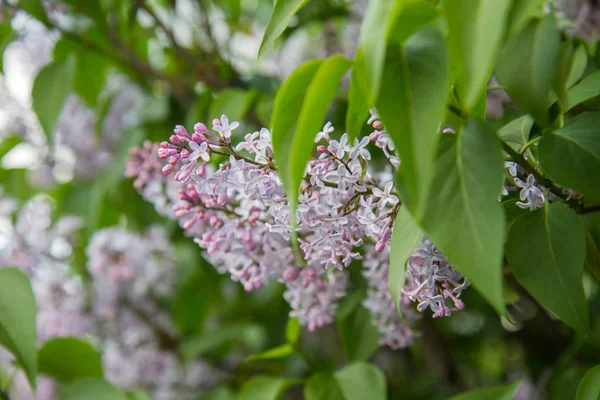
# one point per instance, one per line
(433, 282)
(395, 333)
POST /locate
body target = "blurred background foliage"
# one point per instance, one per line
(130, 70)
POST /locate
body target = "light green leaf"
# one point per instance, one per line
(361, 381)
(522, 12)
(272, 354)
(503, 392)
(516, 132)
(405, 238)
(412, 105)
(589, 387)
(283, 11)
(389, 20)
(477, 28)
(231, 102)
(468, 180)
(138, 396)
(563, 71)
(263, 388)
(358, 336)
(571, 155)
(50, 91)
(91, 389)
(222, 393)
(358, 97)
(592, 255)
(546, 252)
(90, 75)
(56, 359)
(578, 65)
(526, 67)
(314, 85)
(587, 89)
(17, 319)
(292, 331)
(322, 386)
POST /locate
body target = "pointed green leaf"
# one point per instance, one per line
(272, 354)
(546, 252)
(309, 89)
(50, 91)
(526, 67)
(292, 331)
(407, 17)
(467, 182)
(56, 359)
(322, 386)
(283, 11)
(503, 392)
(587, 89)
(592, 255)
(405, 238)
(91, 389)
(571, 155)
(17, 319)
(589, 387)
(516, 132)
(477, 28)
(578, 66)
(358, 97)
(412, 105)
(361, 381)
(263, 388)
(522, 12)
(563, 71)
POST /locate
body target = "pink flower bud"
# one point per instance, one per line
(167, 169)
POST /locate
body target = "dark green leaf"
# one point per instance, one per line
(293, 147)
(587, 89)
(589, 387)
(476, 28)
(592, 255)
(17, 319)
(68, 359)
(412, 104)
(283, 11)
(546, 252)
(571, 155)
(359, 337)
(50, 91)
(358, 97)
(272, 354)
(563, 71)
(526, 67)
(189, 306)
(468, 180)
(322, 386)
(91, 389)
(504, 392)
(361, 381)
(90, 74)
(36, 9)
(405, 238)
(516, 132)
(263, 388)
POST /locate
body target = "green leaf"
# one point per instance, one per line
(6, 36)
(189, 306)
(405, 238)
(592, 255)
(322, 386)
(589, 387)
(358, 97)
(138, 396)
(207, 341)
(17, 319)
(292, 331)
(263, 388)
(57, 360)
(516, 132)
(407, 17)
(283, 11)
(231, 102)
(222, 393)
(526, 67)
(477, 28)
(91, 389)
(563, 71)
(90, 75)
(293, 132)
(571, 155)
(546, 251)
(522, 12)
(412, 105)
(503, 392)
(272, 354)
(361, 381)
(50, 91)
(587, 89)
(36, 9)
(359, 338)
(578, 65)
(468, 179)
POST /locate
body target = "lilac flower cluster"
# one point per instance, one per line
(238, 213)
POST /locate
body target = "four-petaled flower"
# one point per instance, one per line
(199, 151)
(385, 196)
(224, 127)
